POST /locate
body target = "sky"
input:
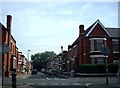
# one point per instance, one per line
(46, 26)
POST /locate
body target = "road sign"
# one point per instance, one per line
(4, 48)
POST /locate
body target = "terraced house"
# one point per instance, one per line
(93, 46)
(9, 54)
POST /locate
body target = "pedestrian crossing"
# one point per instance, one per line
(49, 79)
(54, 84)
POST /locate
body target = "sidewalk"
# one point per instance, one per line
(103, 86)
(17, 86)
(8, 81)
(23, 75)
(68, 75)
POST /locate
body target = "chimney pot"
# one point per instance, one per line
(81, 30)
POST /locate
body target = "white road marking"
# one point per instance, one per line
(53, 83)
(77, 84)
(87, 84)
(42, 79)
(56, 79)
(30, 83)
(47, 78)
(65, 84)
(63, 79)
(42, 83)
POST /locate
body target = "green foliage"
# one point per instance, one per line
(113, 68)
(98, 68)
(39, 60)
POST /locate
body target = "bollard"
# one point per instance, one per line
(14, 78)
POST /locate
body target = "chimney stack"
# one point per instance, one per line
(9, 22)
(81, 30)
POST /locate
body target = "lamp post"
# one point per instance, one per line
(28, 62)
(28, 55)
(105, 51)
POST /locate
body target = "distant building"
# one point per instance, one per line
(86, 49)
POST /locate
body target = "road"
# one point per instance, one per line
(45, 80)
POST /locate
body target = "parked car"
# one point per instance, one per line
(34, 71)
(43, 70)
(53, 72)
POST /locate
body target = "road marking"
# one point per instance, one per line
(42, 83)
(42, 79)
(35, 79)
(65, 84)
(63, 79)
(56, 79)
(47, 78)
(77, 84)
(53, 83)
(30, 83)
(87, 84)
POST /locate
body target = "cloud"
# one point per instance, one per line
(66, 24)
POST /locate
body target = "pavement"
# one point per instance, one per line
(8, 81)
(65, 76)
(23, 75)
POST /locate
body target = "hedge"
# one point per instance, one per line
(98, 68)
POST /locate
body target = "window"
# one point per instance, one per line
(100, 60)
(92, 61)
(96, 44)
(115, 43)
(99, 44)
(92, 45)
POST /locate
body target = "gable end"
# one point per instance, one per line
(98, 22)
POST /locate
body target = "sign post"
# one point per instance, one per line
(4, 50)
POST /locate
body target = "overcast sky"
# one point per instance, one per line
(46, 26)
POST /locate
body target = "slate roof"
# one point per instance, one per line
(115, 32)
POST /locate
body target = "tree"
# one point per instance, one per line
(39, 60)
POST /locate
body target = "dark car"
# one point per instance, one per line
(53, 72)
(34, 71)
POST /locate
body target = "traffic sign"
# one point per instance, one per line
(4, 49)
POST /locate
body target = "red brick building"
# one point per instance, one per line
(10, 58)
(88, 47)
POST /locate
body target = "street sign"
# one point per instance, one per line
(4, 49)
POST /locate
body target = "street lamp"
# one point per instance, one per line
(105, 51)
(28, 61)
(28, 55)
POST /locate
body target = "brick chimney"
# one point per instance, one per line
(81, 30)
(9, 22)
